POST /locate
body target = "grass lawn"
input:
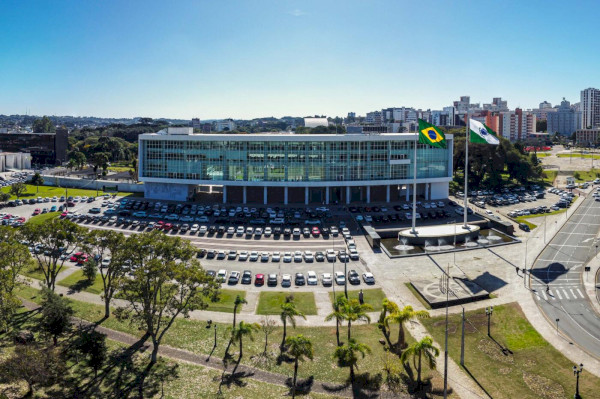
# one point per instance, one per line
(269, 303)
(523, 219)
(119, 168)
(373, 296)
(39, 219)
(78, 282)
(192, 335)
(578, 155)
(549, 176)
(534, 369)
(188, 381)
(37, 273)
(49, 191)
(586, 175)
(226, 301)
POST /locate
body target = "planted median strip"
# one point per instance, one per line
(372, 297)
(269, 303)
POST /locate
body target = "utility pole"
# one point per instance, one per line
(462, 340)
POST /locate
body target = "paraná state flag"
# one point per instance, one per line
(480, 133)
(429, 134)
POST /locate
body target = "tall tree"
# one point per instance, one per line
(268, 326)
(43, 125)
(244, 330)
(14, 258)
(37, 180)
(338, 314)
(354, 311)
(18, 189)
(387, 307)
(347, 355)
(105, 244)
(56, 315)
(92, 344)
(402, 316)
(419, 349)
(289, 312)
(55, 237)
(167, 281)
(239, 300)
(299, 347)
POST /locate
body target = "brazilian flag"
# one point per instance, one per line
(429, 134)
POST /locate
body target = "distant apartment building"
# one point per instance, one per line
(196, 124)
(545, 105)
(516, 125)
(587, 137)
(464, 105)
(314, 122)
(498, 104)
(225, 125)
(206, 127)
(375, 117)
(565, 120)
(590, 107)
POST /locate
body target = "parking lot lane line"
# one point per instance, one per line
(544, 295)
(566, 294)
(580, 294)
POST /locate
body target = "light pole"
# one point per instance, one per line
(557, 320)
(488, 311)
(576, 373)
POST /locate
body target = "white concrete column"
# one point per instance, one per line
(244, 195)
(305, 195)
(387, 193)
(368, 194)
(327, 195)
(347, 194)
(265, 199)
(285, 195)
(224, 194)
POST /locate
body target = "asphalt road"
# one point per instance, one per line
(557, 278)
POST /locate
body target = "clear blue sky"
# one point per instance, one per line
(244, 59)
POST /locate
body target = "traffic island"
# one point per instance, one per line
(461, 290)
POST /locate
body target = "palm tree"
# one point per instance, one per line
(401, 316)
(347, 355)
(299, 347)
(244, 330)
(387, 307)
(289, 312)
(238, 301)
(337, 314)
(354, 311)
(419, 349)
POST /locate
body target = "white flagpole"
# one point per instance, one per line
(466, 171)
(414, 207)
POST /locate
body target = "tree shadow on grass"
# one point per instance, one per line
(303, 386)
(79, 286)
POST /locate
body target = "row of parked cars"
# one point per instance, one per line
(285, 280)
(286, 257)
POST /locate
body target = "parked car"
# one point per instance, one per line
(259, 279)
(311, 278)
(340, 279)
(353, 277)
(247, 277)
(368, 278)
(299, 279)
(234, 277)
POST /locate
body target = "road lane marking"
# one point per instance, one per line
(580, 293)
(566, 294)
(579, 325)
(558, 293)
(544, 295)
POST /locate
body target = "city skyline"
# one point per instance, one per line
(244, 61)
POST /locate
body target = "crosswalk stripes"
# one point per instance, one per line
(560, 293)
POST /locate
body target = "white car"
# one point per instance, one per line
(249, 230)
(311, 278)
(258, 232)
(240, 230)
(203, 230)
(230, 230)
(253, 256)
(287, 257)
(296, 232)
(276, 257)
(243, 256)
(105, 262)
(309, 256)
(264, 257)
(340, 279)
(268, 232)
(221, 275)
(326, 279)
(331, 255)
(368, 278)
(297, 256)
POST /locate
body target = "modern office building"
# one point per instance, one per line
(14, 161)
(45, 148)
(284, 168)
(565, 120)
(590, 108)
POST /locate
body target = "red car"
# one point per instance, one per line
(316, 231)
(75, 256)
(63, 215)
(37, 211)
(167, 226)
(159, 224)
(259, 279)
(7, 216)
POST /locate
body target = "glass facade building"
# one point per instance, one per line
(290, 160)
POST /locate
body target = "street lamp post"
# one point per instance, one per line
(557, 320)
(488, 311)
(576, 373)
